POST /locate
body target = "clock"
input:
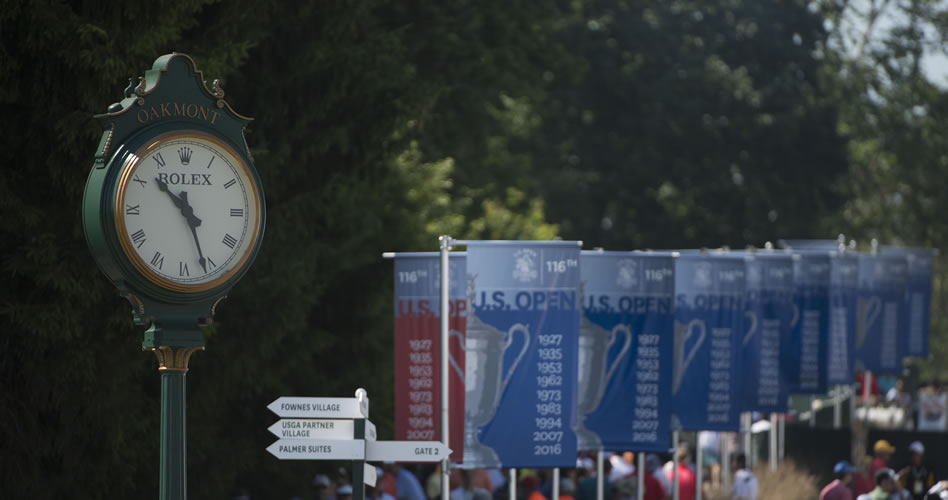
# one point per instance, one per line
(187, 211)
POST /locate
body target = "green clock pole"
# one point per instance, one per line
(173, 350)
(172, 104)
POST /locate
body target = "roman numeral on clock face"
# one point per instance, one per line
(138, 238)
(158, 260)
(236, 212)
(159, 159)
(229, 183)
(229, 240)
(183, 269)
(131, 209)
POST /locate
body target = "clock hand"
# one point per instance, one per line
(181, 203)
(193, 223)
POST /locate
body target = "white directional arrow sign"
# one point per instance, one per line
(370, 476)
(317, 449)
(293, 407)
(300, 428)
(370, 434)
(405, 451)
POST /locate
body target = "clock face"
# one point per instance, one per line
(187, 211)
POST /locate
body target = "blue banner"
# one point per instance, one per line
(806, 354)
(919, 297)
(844, 274)
(626, 338)
(709, 329)
(880, 305)
(768, 314)
(522, 343)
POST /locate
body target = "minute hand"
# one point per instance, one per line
(193, 223)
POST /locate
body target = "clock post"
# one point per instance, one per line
(174, 214)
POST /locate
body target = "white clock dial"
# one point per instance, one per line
(187, 211)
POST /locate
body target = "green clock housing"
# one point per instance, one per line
(173, 209)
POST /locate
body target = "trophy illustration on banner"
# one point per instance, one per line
(485, 380)
(867, 312)
(453, 362)
(682, 334)
(752, 329)
(594, 346)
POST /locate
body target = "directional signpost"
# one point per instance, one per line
(405, 451)
(339, 429)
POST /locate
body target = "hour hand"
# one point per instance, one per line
(188, 212)
(162, 185)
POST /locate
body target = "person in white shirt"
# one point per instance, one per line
(745, 484)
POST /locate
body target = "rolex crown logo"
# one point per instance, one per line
(185, 155)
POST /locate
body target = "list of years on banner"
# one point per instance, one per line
(916, 330)
(645, 419)
(890, 335)
(810, 350)
(548, 438)
(719, 382)
(768, 383)
(421, 425)
(838, 348)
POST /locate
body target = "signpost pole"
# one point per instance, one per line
(600, 470)
(445, 241)
(358, 466)
(726, 461)
(772, 449)
(782, 435)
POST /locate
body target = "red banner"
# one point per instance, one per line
(418, 349)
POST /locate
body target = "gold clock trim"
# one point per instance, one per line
(137, 262)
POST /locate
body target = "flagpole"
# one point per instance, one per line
(445, 241)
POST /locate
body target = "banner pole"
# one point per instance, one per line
(512, 486)
(747, 421)
(726, 461)
(640, 484)
(772, 449)
(675, 492)
(699, 467)
(782, 436)
(837, 407)
(600, 470)
(445, 241)
(866, 384)
(812, 411)
(556, 483)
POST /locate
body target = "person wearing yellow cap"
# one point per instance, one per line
(883, 451)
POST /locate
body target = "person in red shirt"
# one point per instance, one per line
(653, 488)
(686, 477)
(839, 488)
